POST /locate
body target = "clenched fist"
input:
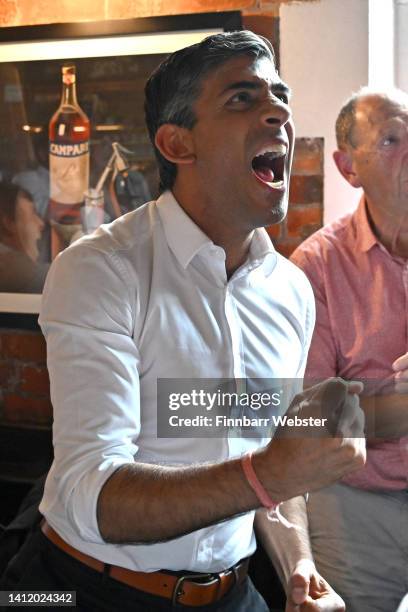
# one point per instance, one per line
(306, 457)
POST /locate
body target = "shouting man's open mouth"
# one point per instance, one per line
(268, 165)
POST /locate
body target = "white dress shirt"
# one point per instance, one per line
(147, 297)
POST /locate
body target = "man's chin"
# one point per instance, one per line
(278, 212)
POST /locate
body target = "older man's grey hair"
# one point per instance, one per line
(346, 118)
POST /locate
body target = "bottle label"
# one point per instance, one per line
(69, 150)
(69, 171)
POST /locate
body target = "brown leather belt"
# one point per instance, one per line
(187, 589)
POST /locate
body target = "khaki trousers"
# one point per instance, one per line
(360, 543)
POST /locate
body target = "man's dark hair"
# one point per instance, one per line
(8, 203)
(173, 88)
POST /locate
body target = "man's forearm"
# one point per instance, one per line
(150, 503)
(285, 546)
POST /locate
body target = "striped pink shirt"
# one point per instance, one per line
(361, 296)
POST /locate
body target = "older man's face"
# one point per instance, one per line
(380, 152)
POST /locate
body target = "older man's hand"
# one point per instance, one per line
(307, 591)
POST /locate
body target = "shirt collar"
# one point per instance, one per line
(262, 252)
(183, 236)
(365, 236)
(186, 239)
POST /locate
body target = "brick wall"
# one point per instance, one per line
(305, 213)
(24, 394)
(27, 12)
(24, 387)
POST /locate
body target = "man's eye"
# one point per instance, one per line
(283, 97)
(242, 97)
(388, 141)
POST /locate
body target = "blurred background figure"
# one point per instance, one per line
(21, 229)
(35, 179)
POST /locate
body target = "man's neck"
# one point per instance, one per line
(235, 243)
(390, 227)
(236, 253)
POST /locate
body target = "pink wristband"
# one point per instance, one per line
(255, 484)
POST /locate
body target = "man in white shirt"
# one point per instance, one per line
(187, 287)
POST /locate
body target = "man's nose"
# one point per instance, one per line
(275, 112)
(40, 223)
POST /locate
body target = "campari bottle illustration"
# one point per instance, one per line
(69, 132)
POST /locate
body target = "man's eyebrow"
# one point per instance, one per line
(243, 85)
(282, 88)
(279, 86)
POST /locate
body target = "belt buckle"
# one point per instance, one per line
(178, 591)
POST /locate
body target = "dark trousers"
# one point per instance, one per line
(40, 565)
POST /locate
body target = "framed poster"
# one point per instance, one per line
(110, 61)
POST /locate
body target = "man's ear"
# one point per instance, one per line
(344, 163)
(175, 143)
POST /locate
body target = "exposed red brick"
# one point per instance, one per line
(9, 377)
(301, 218)
(287, 247)
(27, 12)
(274, 231)
(308, 159)
(144, 8)
(262, 8)
(8, 12)
(27, 410)
(186, 6)
(267, 3)
(306, 189)
(25, 346)
(6, 373)
(35, 380)
(264, 25)
(43, 11)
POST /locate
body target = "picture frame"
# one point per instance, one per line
(41, 45)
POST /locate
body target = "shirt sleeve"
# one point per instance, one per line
(322, 357)
(87, 318)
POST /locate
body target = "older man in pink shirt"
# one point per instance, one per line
(358, 267)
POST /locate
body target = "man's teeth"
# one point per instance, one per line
(276, 150)
(268, 165)
(272, 183)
